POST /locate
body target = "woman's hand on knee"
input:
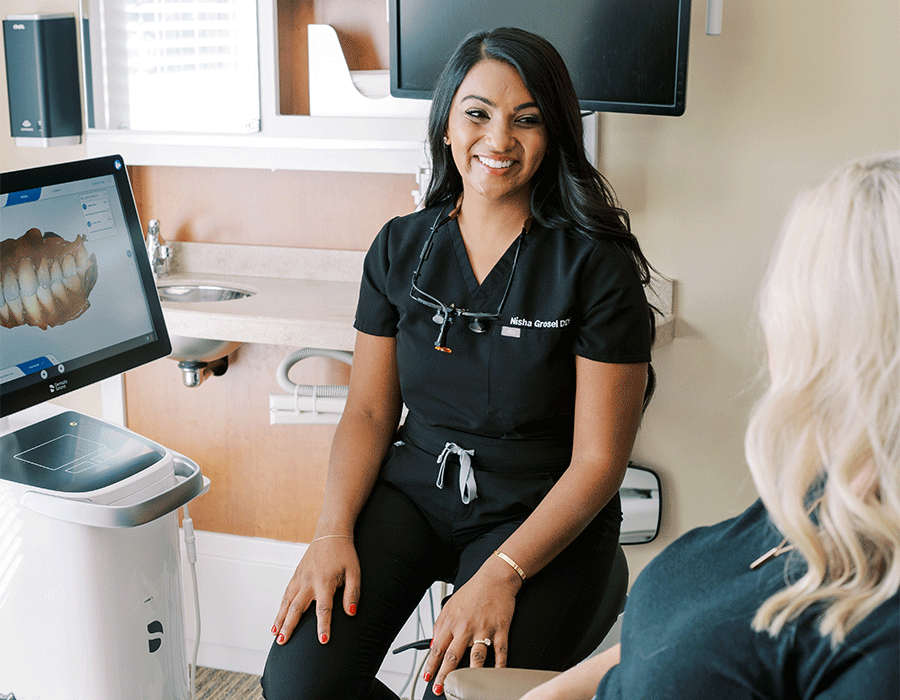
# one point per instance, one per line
(327, 566)
(476, 617)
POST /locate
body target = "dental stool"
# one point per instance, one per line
(513, 683)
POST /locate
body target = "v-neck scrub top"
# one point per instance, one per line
(569, 296)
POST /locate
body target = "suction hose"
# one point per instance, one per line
(326, 391)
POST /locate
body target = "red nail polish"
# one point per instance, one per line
(274, 629)
(280, 639)
(323, 637)
(352, 608)
(427, 676)
(438, 690)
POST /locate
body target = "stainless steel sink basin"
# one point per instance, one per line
(200, 292)
(200, 349)
(200, 357)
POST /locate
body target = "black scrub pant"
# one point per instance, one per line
(404, 545)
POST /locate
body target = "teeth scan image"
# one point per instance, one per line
(45, 280)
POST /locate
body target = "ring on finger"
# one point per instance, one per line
(487, 642)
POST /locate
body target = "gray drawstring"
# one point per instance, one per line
(467, 489)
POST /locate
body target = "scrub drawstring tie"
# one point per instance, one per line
(467, 489)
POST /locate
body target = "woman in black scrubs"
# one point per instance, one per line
(509, 317)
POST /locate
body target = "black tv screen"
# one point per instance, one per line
(78, 301)
(623, 55)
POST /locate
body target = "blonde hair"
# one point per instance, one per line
(829, 422)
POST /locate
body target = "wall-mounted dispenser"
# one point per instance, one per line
(42, 79)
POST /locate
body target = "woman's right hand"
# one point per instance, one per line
(328, 564)
(361, 440)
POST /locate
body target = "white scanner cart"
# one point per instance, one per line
(90, 580)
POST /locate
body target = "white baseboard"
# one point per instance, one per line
(241, 581)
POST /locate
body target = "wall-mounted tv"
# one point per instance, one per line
(78, 300)
(623, 55)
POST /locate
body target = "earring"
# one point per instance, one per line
(447, 140)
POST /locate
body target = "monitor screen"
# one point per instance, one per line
(78, 301)
(623, 56)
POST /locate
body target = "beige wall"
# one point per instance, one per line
(789, 90)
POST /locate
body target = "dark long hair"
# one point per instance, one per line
(567, 192)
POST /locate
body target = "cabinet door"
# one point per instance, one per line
(173, 65)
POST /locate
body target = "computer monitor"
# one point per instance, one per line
(622, 55)
(78, 301)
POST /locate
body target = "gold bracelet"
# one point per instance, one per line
(511, 563)
(325, 537)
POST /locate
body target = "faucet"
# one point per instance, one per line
(157, 250)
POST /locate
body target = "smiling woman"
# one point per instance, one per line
(497, 136)
(504, 477)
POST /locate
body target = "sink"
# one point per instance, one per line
(200, 349)
(200, 292)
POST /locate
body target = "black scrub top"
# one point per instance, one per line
(569, 295)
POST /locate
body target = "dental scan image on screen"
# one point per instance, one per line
(71, 290)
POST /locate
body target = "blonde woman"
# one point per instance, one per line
(798, 596)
